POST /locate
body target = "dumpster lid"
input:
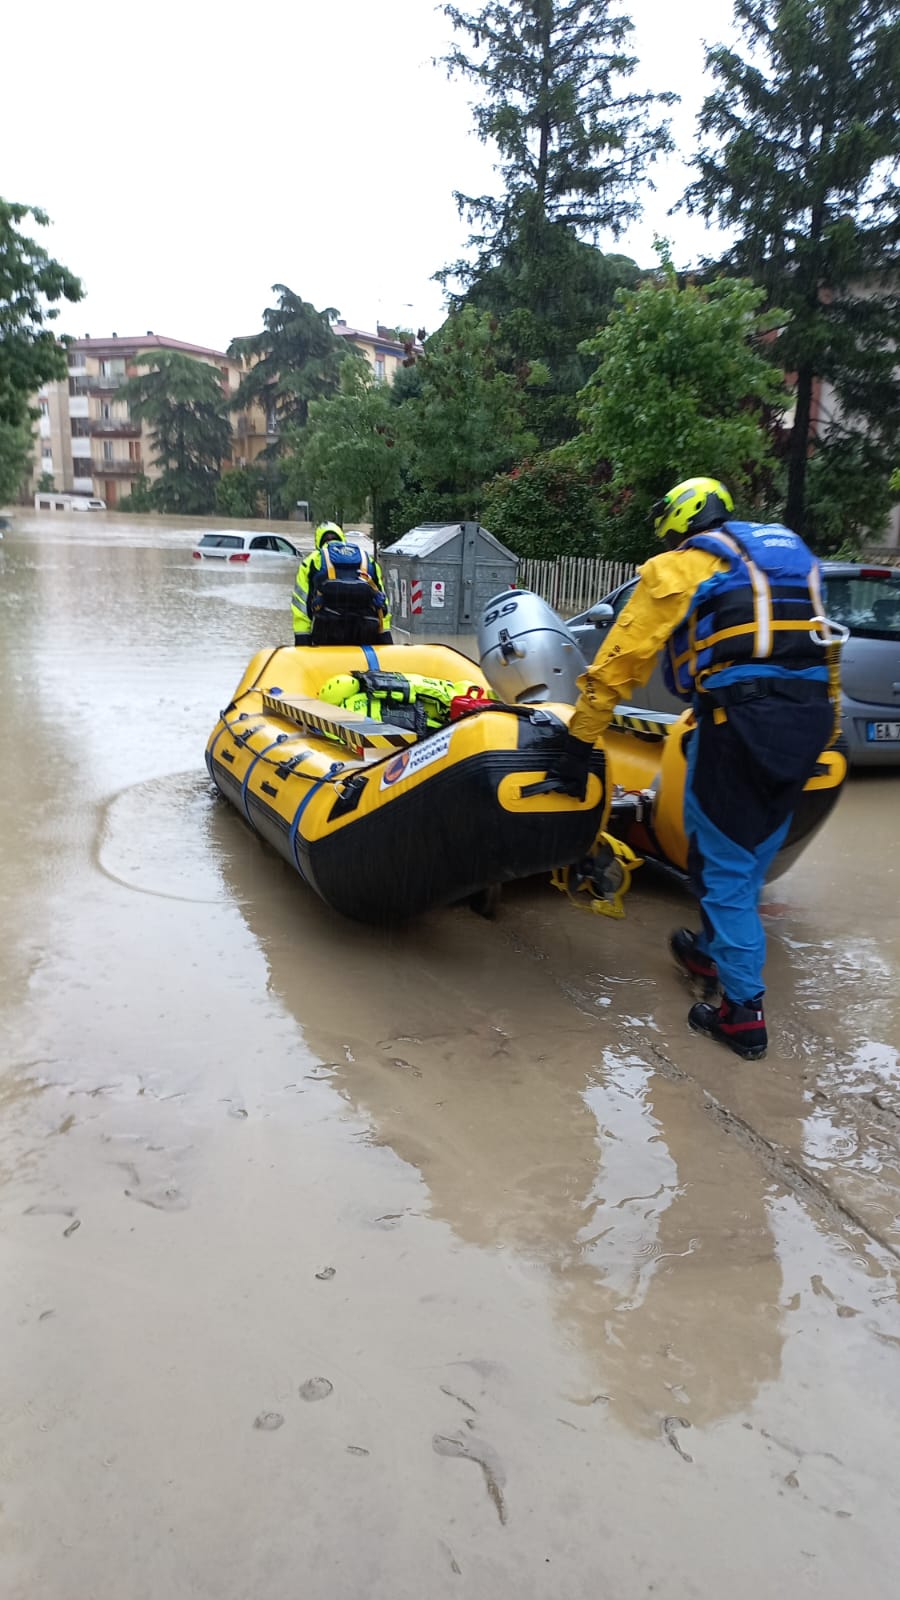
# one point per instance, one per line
(428, 537)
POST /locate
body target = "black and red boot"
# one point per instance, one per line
(695, 963)
(742, 1027)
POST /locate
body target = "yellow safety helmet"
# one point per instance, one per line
(326, 531)
(691, 507)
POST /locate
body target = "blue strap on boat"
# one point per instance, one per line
(210, 754)
(371, 658)
(282, 739)
(314, 788)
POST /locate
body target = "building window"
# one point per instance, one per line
(379, 369)
(81, 427)
(45, 407)
(134, 450)
(107, 450)
(76, 359)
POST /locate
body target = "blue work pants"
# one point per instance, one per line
(745, 776)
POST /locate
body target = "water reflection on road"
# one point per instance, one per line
(600, 1311)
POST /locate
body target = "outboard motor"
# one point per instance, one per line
(526, 651)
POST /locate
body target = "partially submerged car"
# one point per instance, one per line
(242, 549)
(864, 599)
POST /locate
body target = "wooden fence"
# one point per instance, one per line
(572, 583)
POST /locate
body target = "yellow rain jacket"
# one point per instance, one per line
(661, 600)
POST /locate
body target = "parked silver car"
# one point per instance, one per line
(865, 599)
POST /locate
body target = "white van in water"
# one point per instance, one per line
(67, 502)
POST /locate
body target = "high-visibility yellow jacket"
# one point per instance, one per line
(309, 567)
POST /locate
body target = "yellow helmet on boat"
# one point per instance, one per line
(691, 507)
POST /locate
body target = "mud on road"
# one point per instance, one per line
(426, 1263)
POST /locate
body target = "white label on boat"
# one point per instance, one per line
(437, 592)
(416, 757)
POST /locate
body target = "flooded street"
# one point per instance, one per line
(446, 1262)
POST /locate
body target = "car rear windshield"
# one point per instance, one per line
(867, 604)
(221, 541)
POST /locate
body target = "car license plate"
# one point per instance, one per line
(876, 732)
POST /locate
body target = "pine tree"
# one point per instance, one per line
(575, 145)
(185, 405)
(800, 162)
(297, 358)
(574, 142)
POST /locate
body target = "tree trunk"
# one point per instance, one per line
(795, 511)
(544, 125)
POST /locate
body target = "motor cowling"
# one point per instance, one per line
(525, 650)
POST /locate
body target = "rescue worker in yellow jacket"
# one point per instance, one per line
(738, 609)
(339, 594)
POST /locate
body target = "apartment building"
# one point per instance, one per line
(87, 440)
(383, 353)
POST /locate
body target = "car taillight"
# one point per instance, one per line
(196, 555)
(877, 572)
(240, 555)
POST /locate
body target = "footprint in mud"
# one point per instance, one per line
(268, 1421)
(484, 1455)
(161, 1199)
(315, 1389)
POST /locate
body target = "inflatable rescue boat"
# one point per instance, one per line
(385, 816)
(383, 820)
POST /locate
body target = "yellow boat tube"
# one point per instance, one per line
(647, 766)
(383, 825)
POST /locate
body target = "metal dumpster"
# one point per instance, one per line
(441, 575)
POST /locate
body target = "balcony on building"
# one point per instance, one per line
(115, 428)
(119, 467)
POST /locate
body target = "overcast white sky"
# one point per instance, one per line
(192, 154)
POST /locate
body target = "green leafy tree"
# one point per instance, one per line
(139, 498)
(682, 388)
(185, 406)
(467, 422)
(548, 294)
(296, 359)
(346, 461)
(16, 442)
(241, 493)
(545, 508)
(802, 142)
(31, 353)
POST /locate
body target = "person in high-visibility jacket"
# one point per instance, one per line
(339, 598)
(738, 610)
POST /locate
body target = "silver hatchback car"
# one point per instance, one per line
(866, 600)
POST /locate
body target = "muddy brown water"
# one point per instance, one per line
(436, 1262)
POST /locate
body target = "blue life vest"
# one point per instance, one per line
(757, 615)
(346, 581)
